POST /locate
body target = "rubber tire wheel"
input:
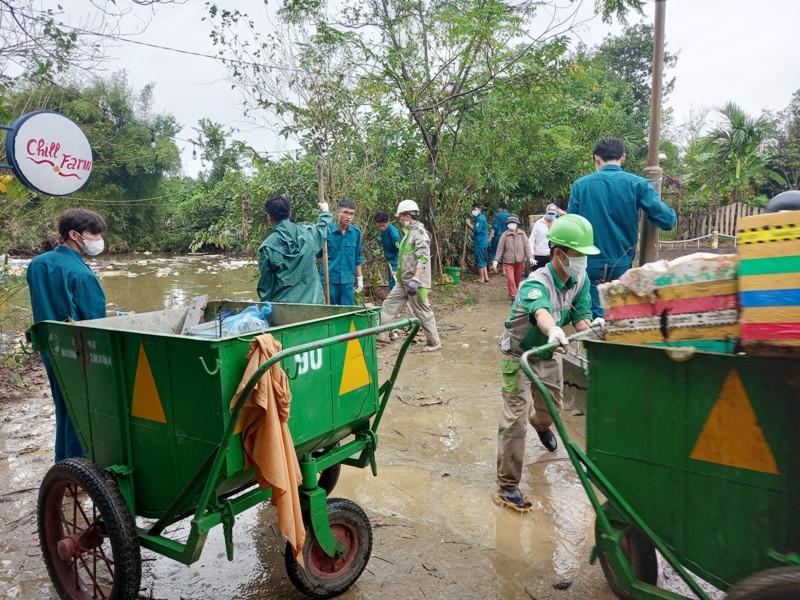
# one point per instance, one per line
(641, 554)
(118, 527)
(329, 478)
(781, 583)
(345, 517)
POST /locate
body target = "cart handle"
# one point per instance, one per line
(589, 473)
(412, 324)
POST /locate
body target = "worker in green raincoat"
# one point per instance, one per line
(287, 259)
(63, 287)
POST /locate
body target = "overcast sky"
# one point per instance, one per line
(740, 50)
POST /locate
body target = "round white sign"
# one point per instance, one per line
(49, 153)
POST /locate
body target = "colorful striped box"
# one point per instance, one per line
(769, 283)
(691, 301)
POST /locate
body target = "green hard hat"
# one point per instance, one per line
(573, 231)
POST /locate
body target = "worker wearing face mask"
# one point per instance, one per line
(538, 238)
(549, 299)
(63, 286)
(514, 252)
(480, 242)
(413, 287)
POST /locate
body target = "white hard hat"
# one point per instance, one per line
(406, 206)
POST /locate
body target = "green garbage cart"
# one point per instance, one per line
(697, 455)
(152, 409)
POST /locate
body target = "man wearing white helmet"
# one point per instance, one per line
(413, 276)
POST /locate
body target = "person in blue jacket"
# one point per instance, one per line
(499, 226)
(611, 199)
(63, 286)
(344, 255)
(480, 242)
(390, 242)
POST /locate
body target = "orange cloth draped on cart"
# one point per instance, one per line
(267, 442)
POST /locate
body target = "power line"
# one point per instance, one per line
(122, 38)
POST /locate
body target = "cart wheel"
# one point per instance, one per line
(641, 555)
(326, 577)
(782, 583)
(87, 534)
(329, 478)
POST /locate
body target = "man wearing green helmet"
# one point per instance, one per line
(550, 298)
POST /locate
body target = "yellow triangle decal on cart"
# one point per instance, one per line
(146, 401)
(731, 435)
(355, 373)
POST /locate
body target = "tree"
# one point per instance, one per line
(785, 152)
(217, 152)
(629, 56)
(134, 150)
(730, 162)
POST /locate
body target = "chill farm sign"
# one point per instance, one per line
(49, 153)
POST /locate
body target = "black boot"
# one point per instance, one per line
(548, 440)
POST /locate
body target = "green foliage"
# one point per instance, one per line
(730, 162)
(785, 150)
(133, 149)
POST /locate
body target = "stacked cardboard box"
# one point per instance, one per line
(690, 301)
(769, 283)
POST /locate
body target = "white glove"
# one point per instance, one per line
(533, 262)
(360, 283)
(557, 336)
(323, 206)
(494, 266)
(598, 323)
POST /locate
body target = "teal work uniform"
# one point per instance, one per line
(344, 255)
(390, 242)
(480, 240)
(499, 225)
(287, 261)
(610, 199)
(63, 287)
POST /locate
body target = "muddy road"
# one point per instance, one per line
(437, 532)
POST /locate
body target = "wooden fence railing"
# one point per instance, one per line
(723, 219)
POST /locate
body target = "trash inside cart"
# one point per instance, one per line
(153, 411)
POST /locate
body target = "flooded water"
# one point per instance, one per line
(437, 533)
(142, 282)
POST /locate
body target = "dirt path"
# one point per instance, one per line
(437, 533)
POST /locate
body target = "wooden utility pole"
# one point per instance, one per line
(246, 218)
(648, 241)
(321, 194)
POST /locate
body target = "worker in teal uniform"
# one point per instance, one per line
(390, 242)
(499, 226)
(611, 199)
(344, 255)
(480, 242)
(287, 258)
(63, 286)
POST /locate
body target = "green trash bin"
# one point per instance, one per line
(153, 411)
(455, 273)
(695, 455)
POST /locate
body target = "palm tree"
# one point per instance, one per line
(734, 151)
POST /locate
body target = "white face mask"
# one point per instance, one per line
(475, 212)
(93, 247)
(575, 265)
(512, 226)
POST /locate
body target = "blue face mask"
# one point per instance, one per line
(550, 217)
